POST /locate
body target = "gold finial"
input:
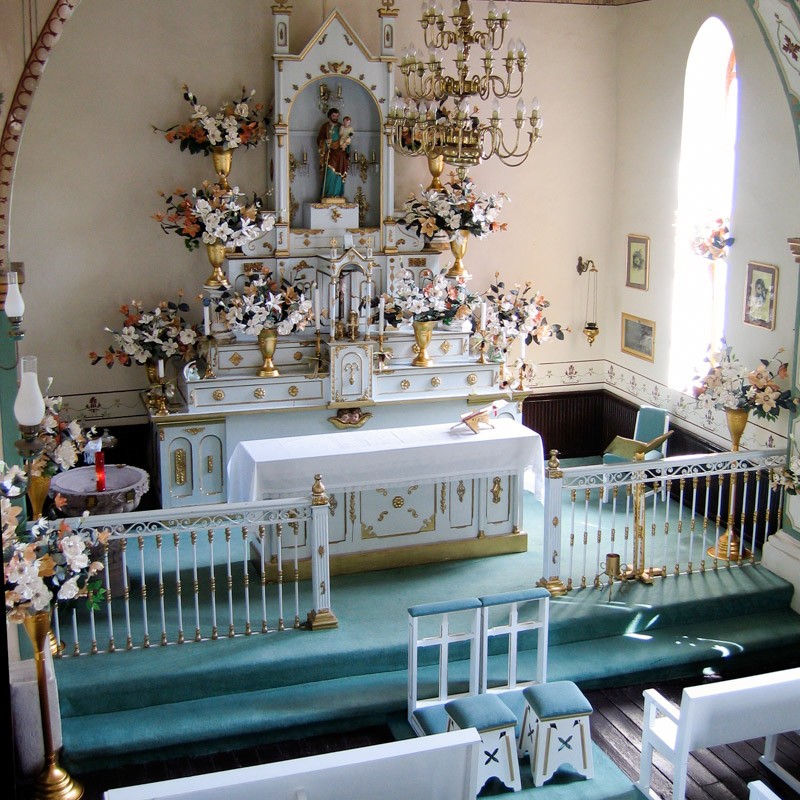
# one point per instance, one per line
(554, 466)
(319, 497)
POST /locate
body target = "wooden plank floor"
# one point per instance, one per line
(721, 773)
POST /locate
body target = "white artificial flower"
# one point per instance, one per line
(69, 589)
(65, 455)
(74, 429)
(200, 112)
(187, 336)
(284, 327)
(241, 110)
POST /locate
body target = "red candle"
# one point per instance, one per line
(100, 470)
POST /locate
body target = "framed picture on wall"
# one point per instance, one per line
(760, 295)
(638, 270)
(638, 337)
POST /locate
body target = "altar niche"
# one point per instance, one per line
(360, 197)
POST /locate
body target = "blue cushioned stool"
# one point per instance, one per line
(495, 723)
(555, 730)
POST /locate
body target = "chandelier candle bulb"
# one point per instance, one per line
(492, 13)
(100, 471)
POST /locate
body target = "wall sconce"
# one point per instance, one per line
(359, 161)
(29, 410)
(326, 96)
(298, 165)
(590, 327)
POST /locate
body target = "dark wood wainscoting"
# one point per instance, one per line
(581, 424)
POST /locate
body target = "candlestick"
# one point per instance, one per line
(100, 470)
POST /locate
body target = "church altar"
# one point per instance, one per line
(436, 491)
(345, 388)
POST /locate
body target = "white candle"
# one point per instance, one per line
(381, 309)
(368, 304)
(332, 305)
(315, 303)
(483, 315)
(160, 367)
(522, 347)
(206, 320)
(354, 302)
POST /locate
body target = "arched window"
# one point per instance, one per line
(705, 194)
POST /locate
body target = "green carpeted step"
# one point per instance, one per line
(227, 722)
(192, 671)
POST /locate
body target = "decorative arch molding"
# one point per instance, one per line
(18, 112)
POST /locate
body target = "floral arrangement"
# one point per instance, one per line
(443, 299)
(514, 313)
(712, 241)
(156, 335)
(63, 441)
(213, 214)
(729, 384)
(458, 207)
(789, 477)
(238, 123)
(264, 305)
(47, 563)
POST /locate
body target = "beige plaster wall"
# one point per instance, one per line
(610, 82)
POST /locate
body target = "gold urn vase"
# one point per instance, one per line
(216, 255)
(222, 165)
(267, 340)
(422, 334)
(737, 420)
(38, 487)
(458, 247)
(53, 782)
(436, 168)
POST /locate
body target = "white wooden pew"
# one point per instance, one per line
(718, 713)
(444, 765)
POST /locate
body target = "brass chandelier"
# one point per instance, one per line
(425, 125)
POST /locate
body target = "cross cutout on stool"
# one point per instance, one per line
(491, 756)
(565, 743)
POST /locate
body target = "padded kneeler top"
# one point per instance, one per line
(482, 711)
(557, 699)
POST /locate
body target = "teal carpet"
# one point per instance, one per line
(201, 697)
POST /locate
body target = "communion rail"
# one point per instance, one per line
(707, 510)
(151, 557)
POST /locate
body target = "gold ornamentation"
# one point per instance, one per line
(259, 393)
(353, 507)
(318, 495)
(267, 341)
(293, 206)
(218, 395)
(436, 381)
(335, 214)
(368, 532)
(417, 262)
(555, 522)
(351, 422)
(398, 502)
(194, 431)
(334, 66)
(180, 467)
(216, 255)
(294, 391)
(363, 206)
(461, 491)
(298, 356)
(428, 524)
(405, 384)
(497, 490)
(334, 504)
(472, 379)
(415, 349)
(352, 368)
(236, 359)
(210, 464)
(443, 498)
(445, 347)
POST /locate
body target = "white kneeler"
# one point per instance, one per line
(495, 723)
(555, 730)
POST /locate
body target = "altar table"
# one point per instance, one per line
(456, 493)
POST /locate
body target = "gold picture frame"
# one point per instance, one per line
(760, 295)
(637, 272)
(638, 337)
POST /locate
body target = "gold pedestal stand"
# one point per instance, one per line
(53, 782)
(638, 571)
(729, 544)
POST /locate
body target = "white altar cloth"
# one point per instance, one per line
(360, 459)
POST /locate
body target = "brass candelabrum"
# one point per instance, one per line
(482, 347)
